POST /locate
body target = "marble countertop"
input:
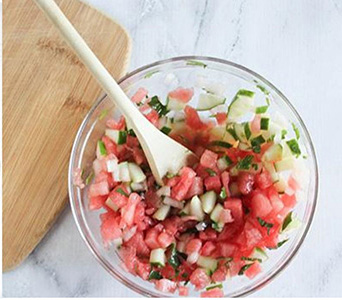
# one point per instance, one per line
(297, 46)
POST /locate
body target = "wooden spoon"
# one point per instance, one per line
(163, 153)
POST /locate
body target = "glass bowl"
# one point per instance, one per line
(159, 78)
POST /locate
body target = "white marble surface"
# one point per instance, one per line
(297, 46)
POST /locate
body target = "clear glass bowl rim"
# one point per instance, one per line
(285, 263)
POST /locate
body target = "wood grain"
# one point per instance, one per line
(46, 93)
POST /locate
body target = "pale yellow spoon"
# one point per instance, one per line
(163, 153)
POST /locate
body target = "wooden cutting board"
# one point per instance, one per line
(46, 93)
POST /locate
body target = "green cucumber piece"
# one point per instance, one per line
(260, 254)
(208, 101)
(136, 173)
(157, 257)
(162, 212)
(124, 172)
(273, 153)
(208, 201)
(271, 169)
(196, 208)
(241, 104)
(216, 212)
(207, 263)
(287, 163)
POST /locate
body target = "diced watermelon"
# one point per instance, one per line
(193, 120)
(151, 238)
(110, 228)
(186, 179)
(263, 180)
(182, 94)
(196, 188)
(153, 117)
(118, 198)
(166, 285)
(139, 95)
(253, 235)
(193, 245)
(253, 270)
(227, 249)
(226, 216)
(220, 274)
(199, 278)
(236, 208)
(143, 269)
(260, 205)
(117, 125)
(221, 118)
(99, 189)
(137, 242)
(208, 248)
(127, 212)
(96, 202)
(183, 291)
(129, 257)
(213, 183)
(208, 235)
(164, 239)
(225, 181)
(255, 124)
(209, 159)
(289, 200)
(245, 182)
(213, 293)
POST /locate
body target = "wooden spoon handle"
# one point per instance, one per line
(89, 59)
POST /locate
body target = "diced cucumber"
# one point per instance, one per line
(196, 208)
(100, 150)
(224, 162)
(294, 224)
(240, 132)
(273, 153)
(280, 185)
(186, 209)
(164, 121)
(124, 172)
(271, 169)
(157, 257)
(247, 130)
(208, 101)
(174, 104)
(112, 165)
(139, 187)
(264, 123)
(218, 131)
(259, 254)
(117, 136)
(228, 137)
(173, 202)
(162, 212)
(135, 173)
(208, 201)
(234, 171)
(207, 263)
(111, 204)
(216, 212)
(244, 146)
(241, 104)
(164, 191)
(285, 164)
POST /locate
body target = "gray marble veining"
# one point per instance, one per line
(297, 46)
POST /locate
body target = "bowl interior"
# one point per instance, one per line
(159, 79)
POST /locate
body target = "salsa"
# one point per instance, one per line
(216, 219)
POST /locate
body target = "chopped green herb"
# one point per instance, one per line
(186, 282)
(89, 178)
(170, 175)
(102, 148)
(248, 132)
(166, 130)
(296, 130)
(154, 275)
(196, 63)
(287, 221)
(131, 133)
(245, 163)
(256, 142)
(244, 269)
(210, 172)
(185, 275)
(294, 147)
(158, 106)
(255, 167)
(265, 224)
(183, 214)
(103, 114)
(122, 137)
(271, 138)
(149, 74)
(261, 109)
(216, 226)
(263, 89)
(174, 259)
(264, 123)
(278, 245)
(251, 259)
(219, 285)
(221, 144)
(243, 92)
(232, 132)
(305, 156)
(283, 133)
(223, 193)
(227, 159)
(122, 192)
